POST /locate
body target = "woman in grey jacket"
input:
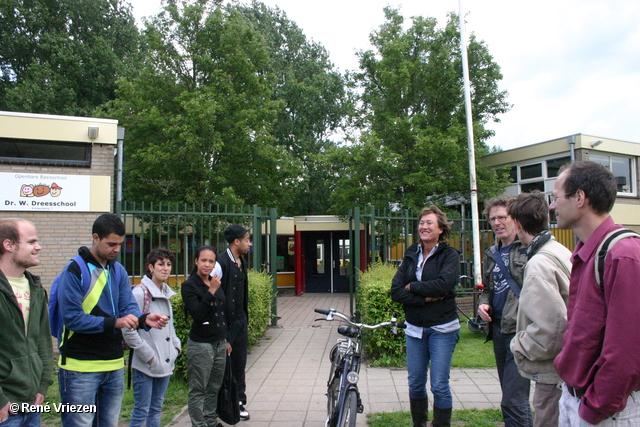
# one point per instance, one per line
(156, 350)
(542, 313)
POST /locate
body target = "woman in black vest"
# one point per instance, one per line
(424, 284)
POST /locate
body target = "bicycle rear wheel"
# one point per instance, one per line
(350, 410)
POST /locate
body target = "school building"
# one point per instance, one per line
(57, 172)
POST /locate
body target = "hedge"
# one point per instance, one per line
(381, 346)
(260, 296)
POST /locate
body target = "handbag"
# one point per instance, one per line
(228, 403)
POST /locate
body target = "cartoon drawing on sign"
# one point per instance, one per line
(56, 190)
(26, 190)
(41, 190)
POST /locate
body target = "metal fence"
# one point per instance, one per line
(388, 234)
(376, 236)
(182, 228)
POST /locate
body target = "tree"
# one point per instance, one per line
(199, 116)
(315, 102)
(64, 56)
(413, 149)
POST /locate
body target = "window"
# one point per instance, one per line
(531, 178)
(285, 254)
(531, 171)
(46, 153)
(527, 188)
(513, 174)
(553, 166)
(622, 169)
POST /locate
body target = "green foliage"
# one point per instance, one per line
(315, 102)
(414, 148)
(182, 323)
(468, 418)
(64, 56)
(382, 348)
(260, 297)
(199, 115)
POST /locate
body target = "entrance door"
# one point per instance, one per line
(327, 261)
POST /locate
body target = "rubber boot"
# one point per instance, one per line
(441, 417)
(419, 411)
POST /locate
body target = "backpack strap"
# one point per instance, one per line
(85, 279)
(554, 257)
(603, 249)
(85, 275)
(504, 269)
(146, 301)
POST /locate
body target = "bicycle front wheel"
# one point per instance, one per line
(350, 410)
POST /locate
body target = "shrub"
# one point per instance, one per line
(381, 347)
(260, 296)
(182, 323)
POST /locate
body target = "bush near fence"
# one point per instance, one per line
(260, 296)
(381, 347)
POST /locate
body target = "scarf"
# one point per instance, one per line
(538, 242)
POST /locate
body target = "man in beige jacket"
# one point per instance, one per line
(542, 313)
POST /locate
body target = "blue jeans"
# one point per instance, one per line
(516, 410)
(438, 348)
(104, 390)
(148, 397)
(22, 420)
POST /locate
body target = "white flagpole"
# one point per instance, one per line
(477, 275)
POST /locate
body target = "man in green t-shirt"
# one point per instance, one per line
(26, 354)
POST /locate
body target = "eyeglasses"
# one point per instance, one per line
(498, 218)
(554, 198)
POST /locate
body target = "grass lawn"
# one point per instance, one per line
(462, 417)
(174, 401)
(472, 351)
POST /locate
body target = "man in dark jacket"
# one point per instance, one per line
(235, 284)
(502, 271)
(26, 354)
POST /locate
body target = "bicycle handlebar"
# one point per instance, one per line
(330, 313)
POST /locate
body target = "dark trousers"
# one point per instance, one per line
(239, 340)
(516, 410)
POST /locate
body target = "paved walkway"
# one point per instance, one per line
(288, 369)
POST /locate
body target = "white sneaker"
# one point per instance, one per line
(244, 414)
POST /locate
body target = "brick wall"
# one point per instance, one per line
(62, 233)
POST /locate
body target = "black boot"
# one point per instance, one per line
(441, 417)
(419, 408)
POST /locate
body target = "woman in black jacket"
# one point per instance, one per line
(207, 345)
(424, 284)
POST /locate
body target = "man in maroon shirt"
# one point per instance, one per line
(600, 357)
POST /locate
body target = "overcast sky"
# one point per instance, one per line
(570, 66)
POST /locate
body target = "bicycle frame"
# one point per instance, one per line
(350, 362)
(346, 354)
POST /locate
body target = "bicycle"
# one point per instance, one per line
(343, 397)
